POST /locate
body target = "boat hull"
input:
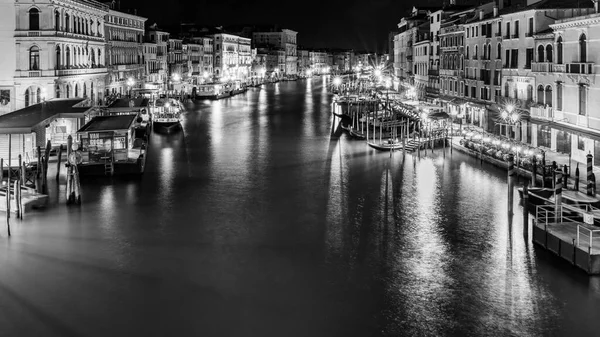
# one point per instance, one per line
(385, 147)
(167, 127)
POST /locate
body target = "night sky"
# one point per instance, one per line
(360, 25)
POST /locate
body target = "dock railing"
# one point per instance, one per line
(584, 231)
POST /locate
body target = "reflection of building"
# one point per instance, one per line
(52, 50)
(124, 36)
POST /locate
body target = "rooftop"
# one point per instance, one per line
(108, 123)
(24, 120)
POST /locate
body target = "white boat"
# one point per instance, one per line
(167, 115)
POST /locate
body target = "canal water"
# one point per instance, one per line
(254, 221)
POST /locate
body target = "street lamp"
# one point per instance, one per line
(337, 81)
(130, 84)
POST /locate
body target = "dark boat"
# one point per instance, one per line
(167, 114)
(357, 134)
(538, 196)
(394, 145)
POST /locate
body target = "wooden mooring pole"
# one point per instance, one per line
(525, 209)
(58, 161)
(511, 174)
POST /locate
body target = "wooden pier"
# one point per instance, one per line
(569, 233)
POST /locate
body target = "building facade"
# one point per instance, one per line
(285, 40)
(124, 37)
(58, 51)
(232, 57)
(160, 40)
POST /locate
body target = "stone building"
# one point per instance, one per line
(124, 36)
(232, 57)
(279, 39)
(52, 49)
(160, 39)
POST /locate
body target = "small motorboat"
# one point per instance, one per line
(538, 196)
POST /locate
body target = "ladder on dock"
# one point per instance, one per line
(108, 168)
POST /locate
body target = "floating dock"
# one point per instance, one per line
(569, 233)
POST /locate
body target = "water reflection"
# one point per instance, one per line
(282, 223)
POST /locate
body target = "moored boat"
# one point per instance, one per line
(387, 146)
(167, 115)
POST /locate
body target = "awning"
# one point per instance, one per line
(27, 119)
(572, 129)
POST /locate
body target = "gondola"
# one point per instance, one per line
(386, 146)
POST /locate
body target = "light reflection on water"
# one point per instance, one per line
(256, 221)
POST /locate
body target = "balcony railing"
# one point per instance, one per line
(58, 33)
(541, 112)
(558, 68)
(448, 72)
(84, 71)
(544, 67)
(580, 68)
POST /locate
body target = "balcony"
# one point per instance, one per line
(55, 33)
(558, 68)
(580, 68)
(543, 67)
(448, 72)
(83, 71)
(122, 67)
(541, 112)
(433, 72)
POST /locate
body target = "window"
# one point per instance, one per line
(558, 96)
(582, 100)
(506, 89)
(582, 49)
(528, 58)
(57, 20)
(544, 136)
(540, 94)
(516, 29)
(27, 94)
(475, 52)
(548, 96)
(34, 19)
(499, 51)
(507, 59)
(499, 33)
(529, 92)
(559, 50)
(530, 31)
(549, 53)
(34, 58)
(58, 57)
(467, 53)
(514, 58)
(540, 53)
(67, 23)
(508, 30)
(580, 143)
(38, 95)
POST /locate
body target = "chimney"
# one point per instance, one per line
(481, 14)
(495, 10)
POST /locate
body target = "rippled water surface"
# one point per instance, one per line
(254, 221)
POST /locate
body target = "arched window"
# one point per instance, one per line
(540, 51)
(499, 51)
(475, 52)
(84, 90)
(462, 63)
(100, 57)
(34, 19)
(530, 92)
(68, 91)
(57, 20)
(540, 94)
(506, 89)
(58, 61)
(27, 94)
(467, 54)
(68, 57)
(582, 49)
(559, 50)
(93, 59)
(92, 92)
(38, 95)
(57, 91)
(34, 58)
(548, 95)
(549, 53)
(76, 90)
(67, 22)
(516, 93)
(489, 51)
